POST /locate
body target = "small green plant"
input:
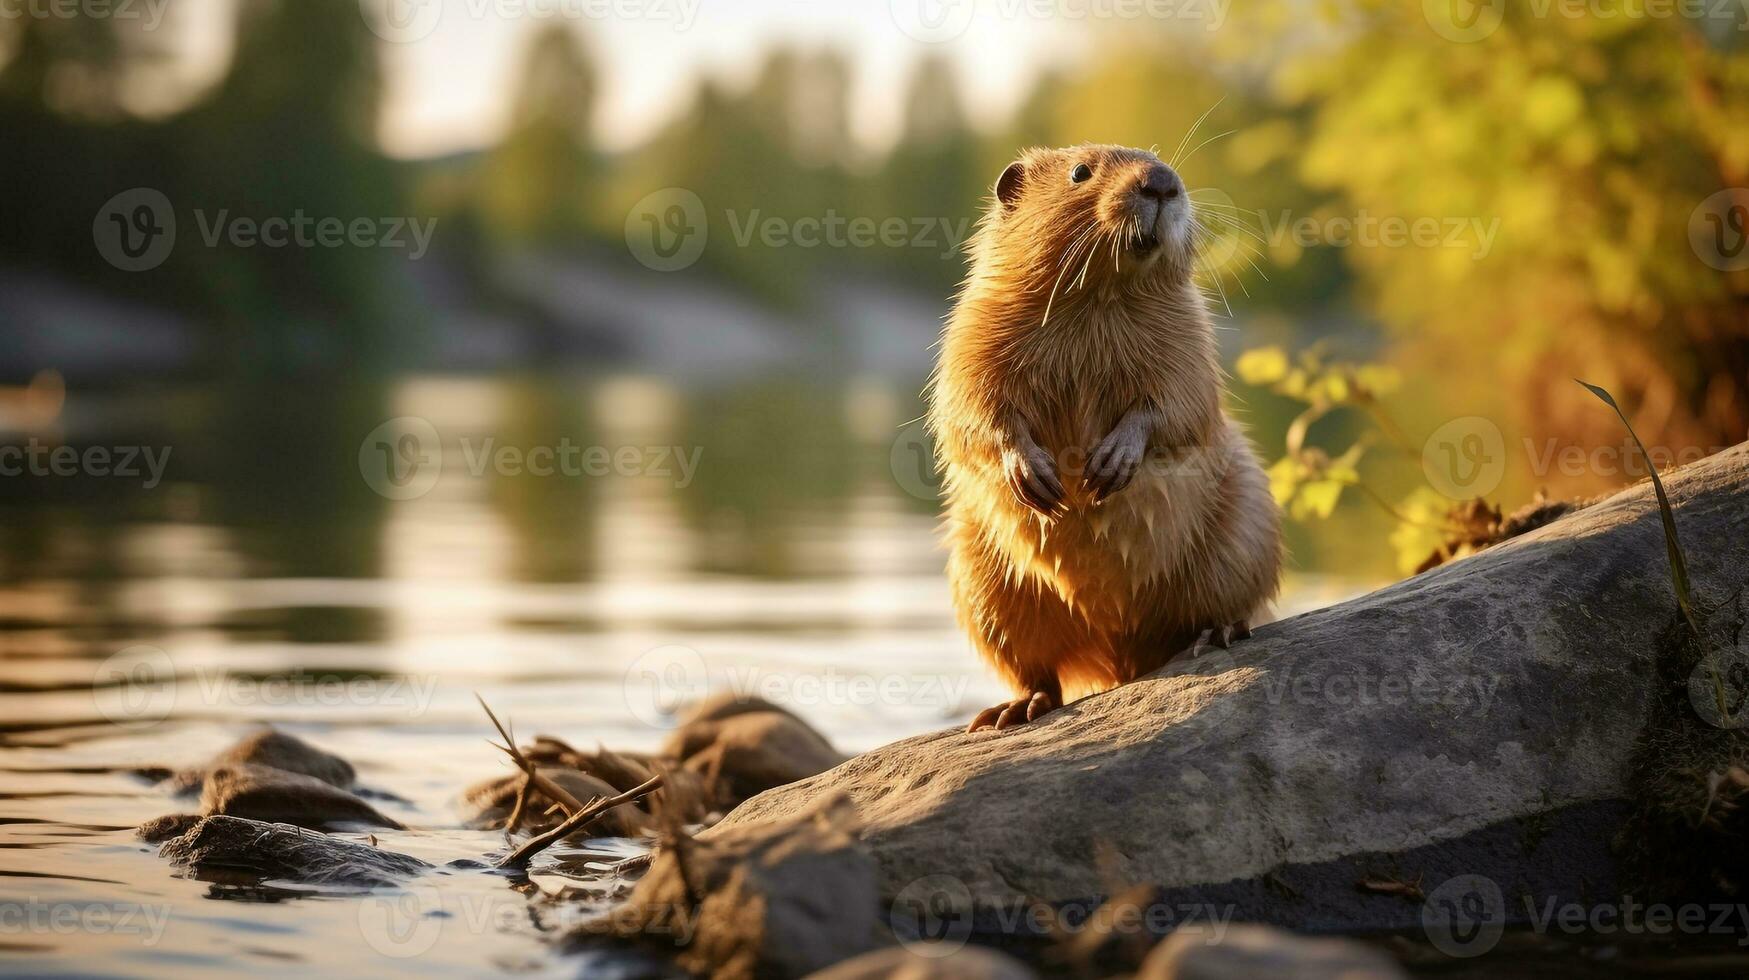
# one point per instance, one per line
(1673, 548)
(1672, 545)
(1308, 481)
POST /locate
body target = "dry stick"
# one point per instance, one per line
(555, 792)
(577, 821)
(515, 820)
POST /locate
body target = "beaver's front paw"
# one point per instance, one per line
(1115, 461)
(1017, 712)
(1222, 637)
(1032, 475)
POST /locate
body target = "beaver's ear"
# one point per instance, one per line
(1008, 185)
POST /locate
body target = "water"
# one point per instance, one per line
(265, 580)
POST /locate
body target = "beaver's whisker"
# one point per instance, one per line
(1216, 279)
(1226, 227)
(1082, 278)
(1206, 142)
(1191, 132)
(1087, 262)
(1050, 302)
(1214, 272)
(1063, 260)
(1236, 215)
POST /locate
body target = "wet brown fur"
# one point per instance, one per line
(1064, 330)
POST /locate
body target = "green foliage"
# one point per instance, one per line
(1587, 141)
(1307, 481)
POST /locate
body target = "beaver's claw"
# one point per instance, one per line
(1032, 476)
(1017, 712)
(1114, 461)
(1223, 636)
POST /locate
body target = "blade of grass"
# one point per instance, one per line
(1673, 547)
(1678, 566)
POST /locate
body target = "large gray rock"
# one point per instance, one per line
(1489, 718)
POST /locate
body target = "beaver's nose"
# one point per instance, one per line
(1160, 183)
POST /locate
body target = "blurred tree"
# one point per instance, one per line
(758, 161)
(290, 132)
(540, 183)
(939, 171)
(1596, 147)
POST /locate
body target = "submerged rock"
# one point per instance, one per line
(777, 899)
(899, 963)
(160, 829)
(728, 749)
(1241, 951)
(1478, 732)
(277, 796)
(488, 804)
(742, 747)
(271, 749)
(269, 850)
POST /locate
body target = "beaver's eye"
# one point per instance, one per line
(1082, 172)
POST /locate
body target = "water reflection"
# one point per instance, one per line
(280, 587)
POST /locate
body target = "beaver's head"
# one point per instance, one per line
(1106, 215)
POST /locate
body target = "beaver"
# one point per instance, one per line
(1103, 514)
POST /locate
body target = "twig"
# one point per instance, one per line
(570, 804)
(516, 811)
(519, 858)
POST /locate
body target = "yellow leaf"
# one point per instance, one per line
(1378, 379)
(1263, 366)
(1318, 498)
(1284, 479)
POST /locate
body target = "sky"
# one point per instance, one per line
(450, 78)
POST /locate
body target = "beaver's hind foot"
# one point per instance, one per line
(1017, 712)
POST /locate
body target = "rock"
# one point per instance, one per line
(161, 829)
(621, 770)
(1470, 736)
(272, 749)
(899, 963)
(232, 844)
(488, 805)
(277, 796)
(746, 746)
(1242, 952)
(778, 899)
